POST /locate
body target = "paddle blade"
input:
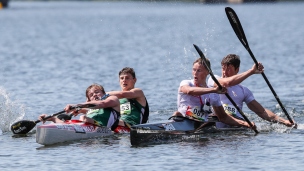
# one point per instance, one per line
(22, 127)
(237, 26)
(25, 126)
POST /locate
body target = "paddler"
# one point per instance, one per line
(196, 100)
(241, 94)
(133, 103)
(105, 113)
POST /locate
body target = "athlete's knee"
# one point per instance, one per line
(177, 113)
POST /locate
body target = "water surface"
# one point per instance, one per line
(51, 52)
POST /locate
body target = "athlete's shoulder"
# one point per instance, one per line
(136, 89)
(241, 86)
(112, 98)
(210, 82)
(187, 82)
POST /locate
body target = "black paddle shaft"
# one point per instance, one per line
(220, 86)
(25, 126)
(238, 29)
(61, 112)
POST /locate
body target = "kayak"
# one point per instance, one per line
(122, 129)
(70, 130)
(178, 128)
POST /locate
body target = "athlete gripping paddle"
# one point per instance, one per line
(238, 29)
(198, 101)
(106, 111)
(133, 103)
(239, 93)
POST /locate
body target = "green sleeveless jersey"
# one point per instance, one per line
(130, 111)
(105, 117)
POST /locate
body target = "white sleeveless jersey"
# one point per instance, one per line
(238, 93)
(185, 101)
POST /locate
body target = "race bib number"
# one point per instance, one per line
(196, 113)
(125, 108)
(231, 110)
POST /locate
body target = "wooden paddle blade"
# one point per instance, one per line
(23, 127)
(237, 26)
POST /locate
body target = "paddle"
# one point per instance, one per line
(220, 86)
(25, 126)
(238, 29)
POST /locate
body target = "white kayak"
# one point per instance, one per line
(70, 130)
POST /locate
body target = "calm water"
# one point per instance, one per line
(51, 51)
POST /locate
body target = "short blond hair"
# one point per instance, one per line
(200, 61)
(98, 86)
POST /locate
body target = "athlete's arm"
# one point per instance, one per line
(111, 101)
(131, 94)
(266, 114)
(134, 93)
(53, 119)
(195, 91)
(74, 111)
(228, 119)
(238, 78)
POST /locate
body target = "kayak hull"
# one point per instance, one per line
(182, 129)
(48, 134)
(122, 130)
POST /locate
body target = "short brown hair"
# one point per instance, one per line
(231, 59)
(127, 70)
(94, 85)
(200, 61)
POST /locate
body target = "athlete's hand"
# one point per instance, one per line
(68, 109)
(287, 123)
(258, 69)
(223, 90)
(253, 126)
(43, 116)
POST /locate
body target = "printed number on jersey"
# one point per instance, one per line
(125, 108)
(229, 109)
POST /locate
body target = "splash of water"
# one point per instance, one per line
(300, 126)
(10, 111)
